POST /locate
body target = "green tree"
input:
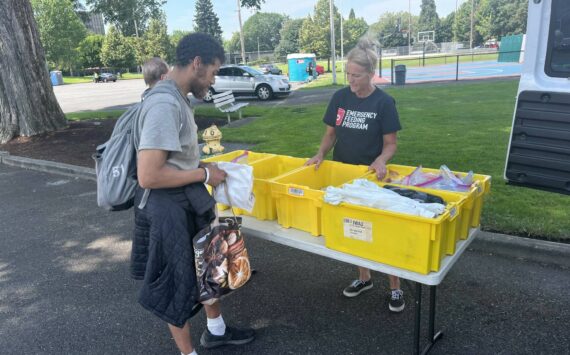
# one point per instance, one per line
(61, 30)
(498, 18)
(289, 42)
(118, 51)
(463, 24)
(263, 28)
(130, 17)
(351, 15)
(233, 44)
(90, 51)
(156, 40)
(353, 29)
(252, 4)
(429, 21)
(206, 20)
(445, 33)
(391, 29)
(315, 33)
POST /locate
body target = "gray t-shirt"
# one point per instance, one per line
(167, 123)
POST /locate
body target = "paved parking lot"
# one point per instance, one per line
(65, 289)
(123, 93)
(91, 96)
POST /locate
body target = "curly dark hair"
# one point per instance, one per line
(199, 45)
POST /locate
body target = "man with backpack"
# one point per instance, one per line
(172, 203)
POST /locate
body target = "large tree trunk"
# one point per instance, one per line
(27, 103)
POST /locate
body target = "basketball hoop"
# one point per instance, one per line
(426, 36)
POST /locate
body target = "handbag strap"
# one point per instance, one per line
(225, 184)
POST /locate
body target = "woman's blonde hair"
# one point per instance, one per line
(364, 54)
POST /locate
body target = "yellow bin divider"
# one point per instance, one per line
(237, 156)
(474, 203)
(299, 194)
(410, 242)
(241, 156)
(263, 171)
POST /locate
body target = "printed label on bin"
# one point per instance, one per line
(296, 192)
(357, 229)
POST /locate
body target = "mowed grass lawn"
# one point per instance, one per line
(464, 125)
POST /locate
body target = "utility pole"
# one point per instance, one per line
(136, 25)
(455, 24)
(258, 55)
(409, 26)
(342, 50)
(241, 33)
(471, 32)
(333, 54)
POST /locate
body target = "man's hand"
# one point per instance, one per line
(217, 175)
(379, 166)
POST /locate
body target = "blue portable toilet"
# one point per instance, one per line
(56, 77)
(298, 63)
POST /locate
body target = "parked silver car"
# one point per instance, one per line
(244, 80)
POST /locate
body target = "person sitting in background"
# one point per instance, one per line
(154, 70)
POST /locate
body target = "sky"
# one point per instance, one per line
(180, 13)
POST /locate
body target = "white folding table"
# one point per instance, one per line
(270, 230)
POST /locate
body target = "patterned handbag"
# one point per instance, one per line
(222, 262)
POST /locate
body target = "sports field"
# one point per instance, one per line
(445, 72)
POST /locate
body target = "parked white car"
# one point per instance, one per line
(244, 80)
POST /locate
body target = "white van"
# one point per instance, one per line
(539, 148)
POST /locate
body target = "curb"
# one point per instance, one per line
(48, 166)
(540, 251)
(501, 244)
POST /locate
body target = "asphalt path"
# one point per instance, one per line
(65, 289)
(124, 93)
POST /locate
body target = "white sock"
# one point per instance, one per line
(216, 326)
(192, 353)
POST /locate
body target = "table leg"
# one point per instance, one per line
(418, 301)
(432, 338)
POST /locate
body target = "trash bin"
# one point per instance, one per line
(400, 74)
(56, 77)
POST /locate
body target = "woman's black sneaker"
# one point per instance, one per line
(357, 287)
(396, 303)
(233, 336)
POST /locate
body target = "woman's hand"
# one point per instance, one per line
(316, 161)
(379, 167)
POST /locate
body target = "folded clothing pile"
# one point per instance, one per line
(363, 192)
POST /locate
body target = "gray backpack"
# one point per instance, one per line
(116, 164)
(116, 160)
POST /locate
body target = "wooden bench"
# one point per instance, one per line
(225, 102)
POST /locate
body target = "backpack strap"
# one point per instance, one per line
(160, 89)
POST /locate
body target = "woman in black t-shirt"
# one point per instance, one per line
(362, 124)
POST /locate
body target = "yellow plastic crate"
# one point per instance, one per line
(299, 196)
(409, 242)
(240, 157)
(474, 203)
(263, 171)
(458, 225)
